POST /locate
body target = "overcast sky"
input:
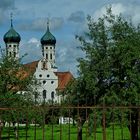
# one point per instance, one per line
(67, 19)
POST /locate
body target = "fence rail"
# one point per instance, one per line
(70, 123)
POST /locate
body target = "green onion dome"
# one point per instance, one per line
(48, 38)
(11, 36)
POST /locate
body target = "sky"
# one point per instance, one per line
(68, 18)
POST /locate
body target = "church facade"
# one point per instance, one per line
(45, 71)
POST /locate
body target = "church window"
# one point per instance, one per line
(14, 54)
(51, 56)
(46, 56)
(44, 82)
(46, 47)
(48, 75)
(44, 94)
(52, 82)
(9, 45)
(40, 75)
(14, 46)
(50, 47)
(52, 94)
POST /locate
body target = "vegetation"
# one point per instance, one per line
(13, 79)
(109, 74)
(62, 132)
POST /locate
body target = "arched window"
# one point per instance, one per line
(52, 94)
(46, 56)
(51, 56)
(44, 94)
(14, 54)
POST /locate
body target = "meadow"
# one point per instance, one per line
(64, 132)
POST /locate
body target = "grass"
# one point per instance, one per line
(64, 132)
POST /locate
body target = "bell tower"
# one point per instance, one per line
(48, 42)
(12, 40)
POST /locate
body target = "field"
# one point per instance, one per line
(64, 132)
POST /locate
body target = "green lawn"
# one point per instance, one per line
(61, 132)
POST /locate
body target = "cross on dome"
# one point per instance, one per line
(48, 24)
(11, 15)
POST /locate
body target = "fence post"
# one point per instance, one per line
(0, 132)
(52, 96)
(104, 121)
(95, 123)
(113, 122)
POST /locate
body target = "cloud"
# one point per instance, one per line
(116, 9)
(40, 24)
(32, 48)
(66, 56)
(5, 6)
(130, 11)
(77, 16)
(133, 13)
(1, 16)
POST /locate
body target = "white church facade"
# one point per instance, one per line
(45, 71)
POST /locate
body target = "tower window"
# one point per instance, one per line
(50, 47)
(52, 82)
(44, 82)
(9, 45)
(46, 56)
(40, 75)
(51, 56)
(14, 46)
(46, 47)
(48, 75)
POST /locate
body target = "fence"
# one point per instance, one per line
(70, 123)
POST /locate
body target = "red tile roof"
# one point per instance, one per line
(31, 66)
(63, 79)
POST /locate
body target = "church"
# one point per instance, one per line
(45, 70)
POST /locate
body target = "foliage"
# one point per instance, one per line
(110, 72)
(16, 90)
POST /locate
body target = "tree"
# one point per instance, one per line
(16, 90)
(110, 71)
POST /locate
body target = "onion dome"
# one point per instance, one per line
(48, 38)
(11, 35)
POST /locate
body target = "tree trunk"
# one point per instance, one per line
(80, 126)
(79, 135)
(134, 125)
(15, 130)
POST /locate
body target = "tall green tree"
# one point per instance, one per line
(16, 90)
(110, 71)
